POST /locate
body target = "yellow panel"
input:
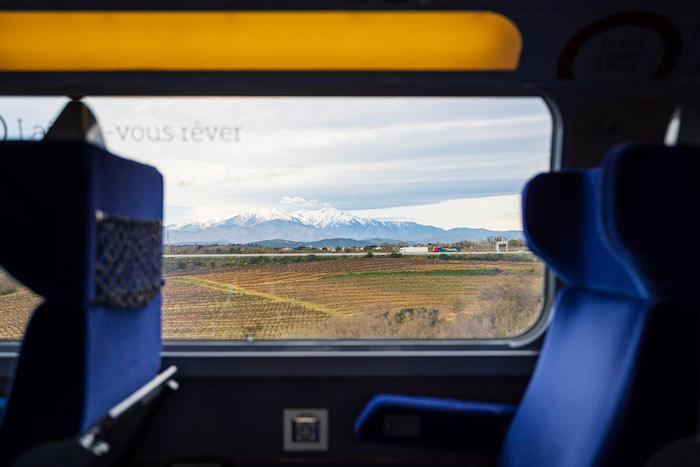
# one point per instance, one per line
(220, 41)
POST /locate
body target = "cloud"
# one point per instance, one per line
(301, 153)
(298, 201)
(492, 212)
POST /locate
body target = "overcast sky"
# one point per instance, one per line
(449, 162)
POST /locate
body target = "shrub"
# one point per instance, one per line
(509, 308)
(429, 316)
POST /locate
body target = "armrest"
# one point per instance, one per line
(429, 421)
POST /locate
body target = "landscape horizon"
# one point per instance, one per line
(327, 223)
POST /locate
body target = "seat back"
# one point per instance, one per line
(611, 385)
(87, 237)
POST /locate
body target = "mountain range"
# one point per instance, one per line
(255, 226)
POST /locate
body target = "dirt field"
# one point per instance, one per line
(344, 297)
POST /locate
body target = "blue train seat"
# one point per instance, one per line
(87, 239)
(611, 385)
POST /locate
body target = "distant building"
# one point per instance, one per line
(413, 249)
(287, 249)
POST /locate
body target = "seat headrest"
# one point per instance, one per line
(560, 214)
(76, 122)
(651, 208)
(83, 226)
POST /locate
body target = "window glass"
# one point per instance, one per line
(328, 218)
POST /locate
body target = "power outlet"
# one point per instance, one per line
(305, 429)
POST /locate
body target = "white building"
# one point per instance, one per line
(413, 249)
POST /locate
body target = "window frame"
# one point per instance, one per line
(525, 346)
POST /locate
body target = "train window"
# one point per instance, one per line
(328, 218)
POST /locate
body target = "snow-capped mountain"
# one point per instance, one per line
(326, 217)
(258, 216)
(313, 225)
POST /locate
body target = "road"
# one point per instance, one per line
(375, 253)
